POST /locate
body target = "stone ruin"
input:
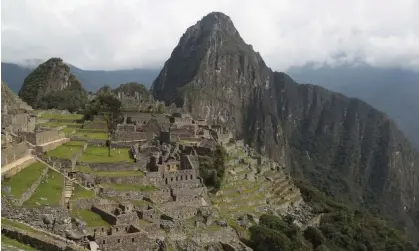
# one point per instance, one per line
(167, 149)
(20, 137)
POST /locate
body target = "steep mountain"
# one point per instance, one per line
(393, 91)
(52, 85)
(343, 146)
(14, 74)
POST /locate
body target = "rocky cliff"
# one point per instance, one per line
(341, 145)
(52, 85)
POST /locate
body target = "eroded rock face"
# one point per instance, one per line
(343, 146)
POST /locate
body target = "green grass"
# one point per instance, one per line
(16, 224)
(67, 150)
(130, 187)
(14, 243)
(92, 219)
(100, 155)
(80, 192)
(91, 135)
(50, 191)
(61, 116)
(20, 182)
(68, 130)
(57, 124)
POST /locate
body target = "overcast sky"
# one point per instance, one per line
(107, 34)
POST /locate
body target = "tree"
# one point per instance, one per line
(109, 107)
(160, 108)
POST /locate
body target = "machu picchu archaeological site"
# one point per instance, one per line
(219, 153)
(61, 188)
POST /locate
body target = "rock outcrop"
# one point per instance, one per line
(52, 85)
(343, 146)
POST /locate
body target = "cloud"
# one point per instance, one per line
(110, 34)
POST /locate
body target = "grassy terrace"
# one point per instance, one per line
(130, 187)
(14, 244)
(21, 226)
(48, 192)
(86, 169)
(24, 179)
(80, 192)
(91, 135)
(67, 150)
(100, 155)
(92, 219)
(57, 124)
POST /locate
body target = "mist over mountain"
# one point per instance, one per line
(14, 74)
(393, 91)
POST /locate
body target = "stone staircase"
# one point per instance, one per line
(68, 192)
(65, 176)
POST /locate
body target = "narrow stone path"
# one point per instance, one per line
(68, 192)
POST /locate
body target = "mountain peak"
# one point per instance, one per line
(52, 85)
(324, 136)
(217, 20)
(213, 47)
(214, 28)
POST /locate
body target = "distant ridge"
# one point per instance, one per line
(14, 74)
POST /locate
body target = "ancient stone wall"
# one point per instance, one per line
(38, 241)
(126, 128)
(19, 122)
(100, 125)
(13, 153)
(178, 211)
(48, 136)
(182, 121)
(88, 203)
(191, 200)
(182, 133)
(108, 217)
(160, 196)
(152, 227)
(173, 177)
(126, 195)
(51, 146)
(125, 144)
(121, 180)
(127, 242)
(29, 136)
(143, 118)
(111, 167)
(150, 215)
(188, 184)
(129, 136)
(127, 218)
